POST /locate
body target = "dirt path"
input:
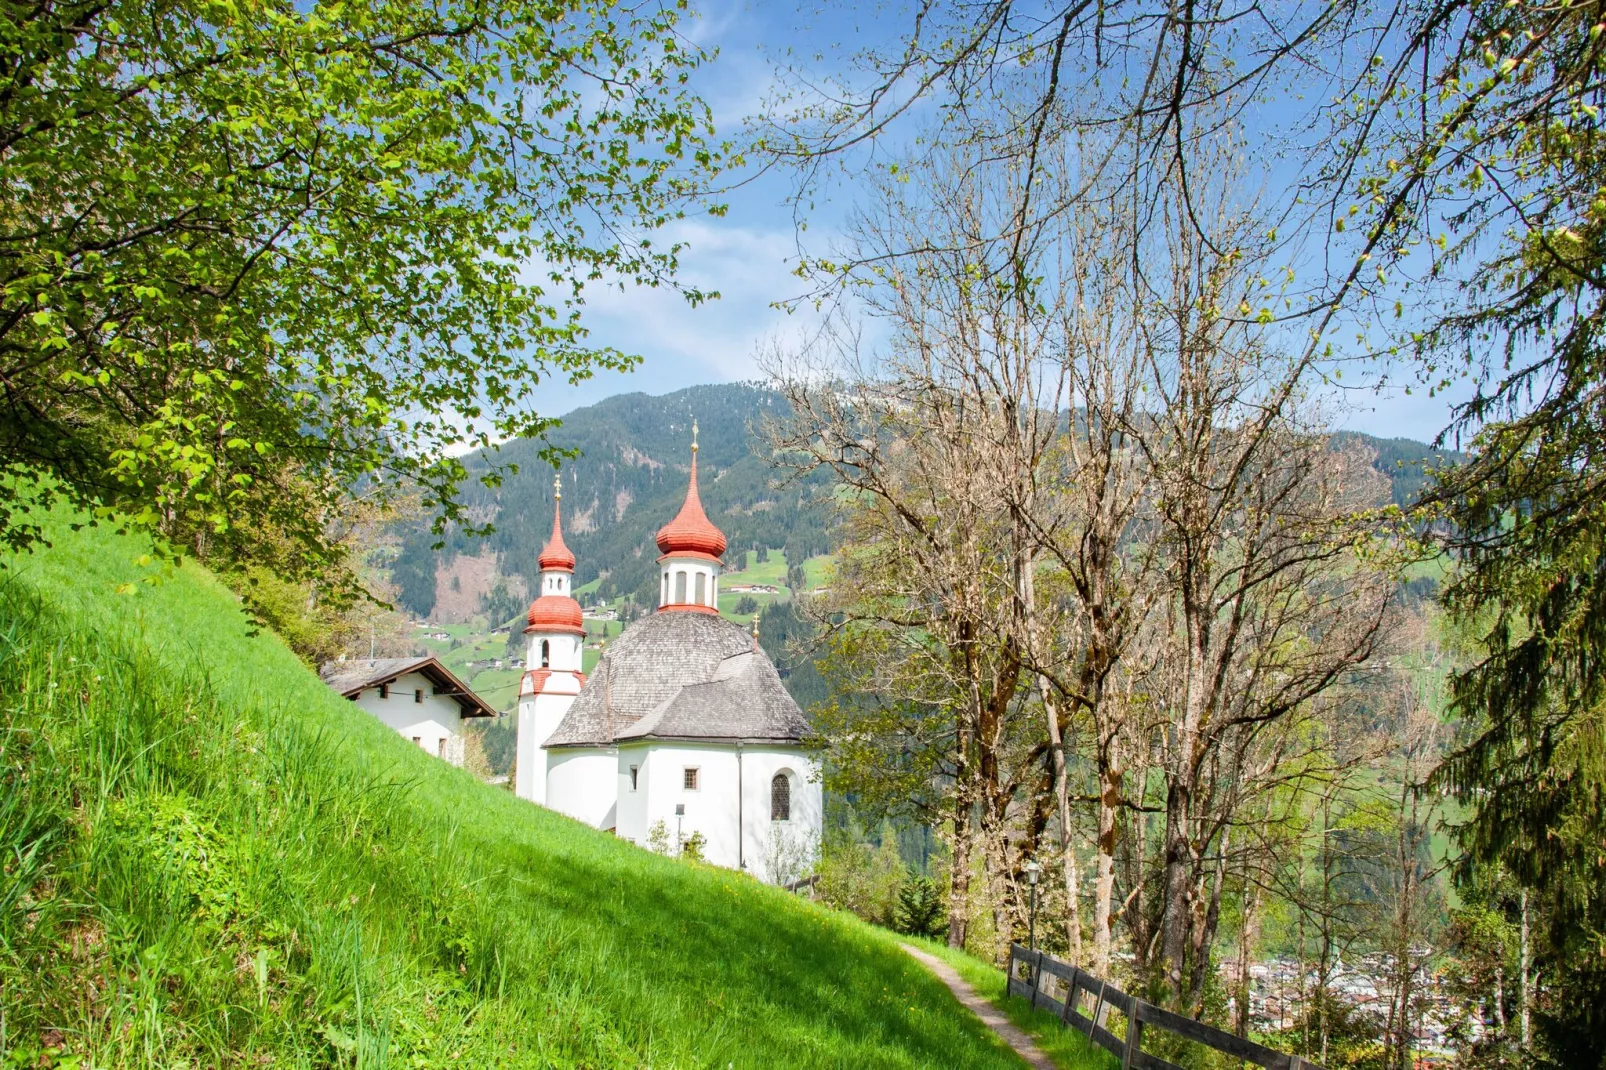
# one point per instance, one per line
(990, 1016)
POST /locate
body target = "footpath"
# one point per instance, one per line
(990, 1016)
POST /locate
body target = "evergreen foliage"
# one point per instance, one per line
(626, 477)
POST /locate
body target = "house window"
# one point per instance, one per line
(680, 588)
(418, 695)
(418, 741)
(781, 798)
(690, 782)
(635, 771)
(440, 747)
(384, 690)
(546, 653)
(702, 591)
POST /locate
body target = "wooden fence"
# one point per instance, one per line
(1085, 1001)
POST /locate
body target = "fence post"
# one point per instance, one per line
(1134, 1035)
(1099, 1008)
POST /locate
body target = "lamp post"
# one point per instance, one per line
(680, 815)
(1032, 869)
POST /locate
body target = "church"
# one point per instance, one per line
(682, 728)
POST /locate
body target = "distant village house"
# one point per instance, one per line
(419, 697)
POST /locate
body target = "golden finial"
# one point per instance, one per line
(755, 631)
(694, 436)
(557, 484)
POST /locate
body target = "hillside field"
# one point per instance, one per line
(211, 860)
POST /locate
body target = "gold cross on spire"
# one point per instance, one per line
(557, 484)
(694, 436)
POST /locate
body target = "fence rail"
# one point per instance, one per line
(1082, 992)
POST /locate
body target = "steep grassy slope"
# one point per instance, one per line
(209, 860)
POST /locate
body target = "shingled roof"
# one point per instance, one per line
(681, 676)
(350, 678)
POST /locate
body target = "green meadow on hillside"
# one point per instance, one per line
(211, 860)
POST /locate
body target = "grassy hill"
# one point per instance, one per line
(210, 860)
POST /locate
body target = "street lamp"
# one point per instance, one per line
(1032, 870)
(680, 815)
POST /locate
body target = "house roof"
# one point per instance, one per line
(350, 678)
(695, 674)
(744, 700)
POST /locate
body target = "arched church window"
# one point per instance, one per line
(665, 596)
(680, 587)
(781, 798)
(546, 653)
(702, 591)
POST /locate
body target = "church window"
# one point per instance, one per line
(702, 593)
(781, 798)
(635, 770)
(546, 653)
(690, 782)
(418, 695)
(680, 587)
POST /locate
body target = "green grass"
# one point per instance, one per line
(211, 860)
(1067, 1047)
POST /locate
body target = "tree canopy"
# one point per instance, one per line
(257, 257)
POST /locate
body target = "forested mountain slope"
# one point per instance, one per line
(212, 860)
(628, 480)
(630, 477)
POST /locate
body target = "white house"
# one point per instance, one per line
(419, 697)
(683, 726)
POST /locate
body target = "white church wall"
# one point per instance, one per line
(632, 813)
(769, 850)
(582, 782)
(710, 807)
(410, 706)
(781, 851)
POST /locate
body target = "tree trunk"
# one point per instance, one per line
(1104, 886)
(1204, 937)
(1523, 991)
(959, 861)
(1062, 800)
(1247, 937)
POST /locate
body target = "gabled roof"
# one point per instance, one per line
(351, 678)
(701, 666)
(744, 700)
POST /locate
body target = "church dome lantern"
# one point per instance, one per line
(554, 610)
(691, 533)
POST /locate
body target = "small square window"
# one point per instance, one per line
(635, 771)
(690, 782)
(418, 695)
(418, 741)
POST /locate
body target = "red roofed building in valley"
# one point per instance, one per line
(556, 631)
(684, 724)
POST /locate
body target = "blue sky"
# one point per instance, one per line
(749, 255)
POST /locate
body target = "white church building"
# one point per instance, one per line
(684, 723)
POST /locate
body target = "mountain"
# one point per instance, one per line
(213, 860)
(630, 478)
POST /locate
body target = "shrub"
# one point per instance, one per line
(920, 910)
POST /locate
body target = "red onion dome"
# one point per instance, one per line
(555, 613)
(554, 554)
(691, 531)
